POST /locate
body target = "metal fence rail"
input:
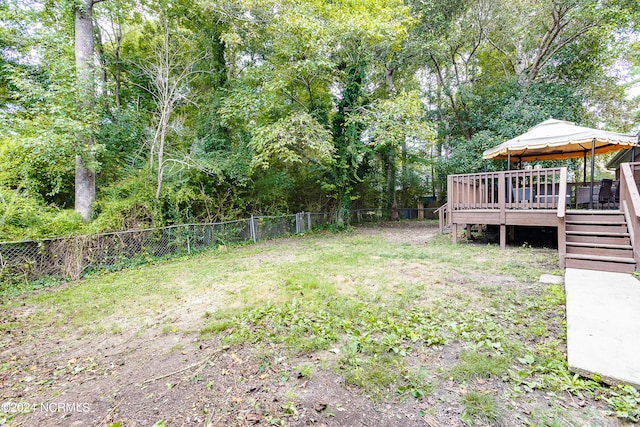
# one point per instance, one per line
(72, 257)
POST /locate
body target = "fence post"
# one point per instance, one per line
(78, 271)
(252, 228)
(309, 221)
(298, 223)
(188, 242)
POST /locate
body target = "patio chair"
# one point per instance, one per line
(521, 195)
(582, 197)
(616, 194)
(605, 196)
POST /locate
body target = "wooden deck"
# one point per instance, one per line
(601, 239)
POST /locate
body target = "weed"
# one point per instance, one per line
(483, 407)
(416, 384)
(289, 406)
(168, 329)
(304, 371)
(176, 348)
(624, 401)
(474, 364)
(374, 374)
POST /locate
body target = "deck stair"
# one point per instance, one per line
(598, 240)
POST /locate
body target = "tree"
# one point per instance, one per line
(85, 180)
(391, 125)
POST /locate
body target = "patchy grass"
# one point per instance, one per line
(482, 407)
(473, 364)
(462, 332)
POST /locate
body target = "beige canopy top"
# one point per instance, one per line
(558, 140)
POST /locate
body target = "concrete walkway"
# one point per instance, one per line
(603, 324)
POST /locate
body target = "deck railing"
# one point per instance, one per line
(444, 220)
(630, 203)
(522, 189)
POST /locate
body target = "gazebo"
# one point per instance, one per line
(558, 140)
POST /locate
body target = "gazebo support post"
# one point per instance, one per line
(593, 163)
(508, 159)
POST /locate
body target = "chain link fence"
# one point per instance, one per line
(72, 257)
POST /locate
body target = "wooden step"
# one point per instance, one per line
(588, 221)
(586, 264)
(593, 213)
(622, 252)
(597, 228)
(618, 218)
(599, 244)
(597, 233)
(622, 260)
(598, 239)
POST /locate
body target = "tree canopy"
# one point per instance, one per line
(212, 110)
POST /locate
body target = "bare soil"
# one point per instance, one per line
(62, 377)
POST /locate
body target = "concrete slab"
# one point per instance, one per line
(603, 324)
(551, 279)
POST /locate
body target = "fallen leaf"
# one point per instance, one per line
(320, 406)
(252, 418)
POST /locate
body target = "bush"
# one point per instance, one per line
(24, 217)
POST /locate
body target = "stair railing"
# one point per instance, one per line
(443, 217)
(562, 208)
(630, 204)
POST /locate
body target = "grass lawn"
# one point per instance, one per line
(382, 325)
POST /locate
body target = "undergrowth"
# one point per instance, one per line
(376, 342)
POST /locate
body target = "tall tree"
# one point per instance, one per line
(85, 180)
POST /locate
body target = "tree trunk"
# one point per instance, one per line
(392, 204)
(118, 66)
(85, 182)
(390, 160)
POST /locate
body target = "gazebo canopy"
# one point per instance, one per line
(558, 140)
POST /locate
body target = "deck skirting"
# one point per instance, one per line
(532, 217)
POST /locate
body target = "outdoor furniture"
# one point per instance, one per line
(521, 195)
(549, 194)
(583, 195)
(605, 195)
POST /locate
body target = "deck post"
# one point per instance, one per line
(562, 241)
(454, 233)
(502, 193)
(562, 227)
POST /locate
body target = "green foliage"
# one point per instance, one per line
(25, 217)
(294, 139)
(474, 364)
(285, 106)
(624, 401)
(483, 407)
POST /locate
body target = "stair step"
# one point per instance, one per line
(618, 218)
(615, 259)
(598, 239)
(616, 229)
(600, 245)
(613, 267)
(596, 222)
(623, 252)
(596, 233)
